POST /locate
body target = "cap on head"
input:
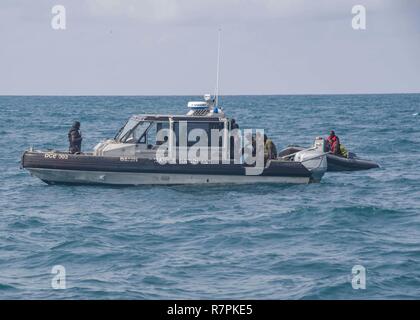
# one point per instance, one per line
(76, 124)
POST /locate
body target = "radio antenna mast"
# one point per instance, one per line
(216, 95)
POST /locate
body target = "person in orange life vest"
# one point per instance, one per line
(333, 143)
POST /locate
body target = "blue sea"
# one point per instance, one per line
(216, 242)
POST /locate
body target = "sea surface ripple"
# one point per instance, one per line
(216, 242)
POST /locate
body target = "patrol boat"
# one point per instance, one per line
(139, 153)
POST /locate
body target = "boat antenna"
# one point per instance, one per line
(216, 95)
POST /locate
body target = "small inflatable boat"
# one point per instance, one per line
(334, 162)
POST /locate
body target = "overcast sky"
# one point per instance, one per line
(170, 47)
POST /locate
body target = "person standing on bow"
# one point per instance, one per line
(75, 138)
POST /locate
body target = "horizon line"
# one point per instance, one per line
(188, 95)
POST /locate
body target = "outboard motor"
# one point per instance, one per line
(314, 159)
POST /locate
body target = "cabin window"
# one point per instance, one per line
(161, 126)
(217, 126)
(130, 124)
(201, 126)
(138, 134)
(205, 126)
(152, 134)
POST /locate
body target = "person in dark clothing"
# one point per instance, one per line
(75, 138)
(233, 124)
(270, 150)
(254, 145)
(235, 141)
(333, 143)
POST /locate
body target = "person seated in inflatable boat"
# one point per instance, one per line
(335, 147)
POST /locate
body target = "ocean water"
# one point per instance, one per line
(253, 242)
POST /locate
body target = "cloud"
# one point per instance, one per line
(146, 10)
(158, 11)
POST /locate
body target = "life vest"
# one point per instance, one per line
(332, 140)
(334, 143)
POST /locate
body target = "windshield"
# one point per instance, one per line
(137, 134)
(127, 127)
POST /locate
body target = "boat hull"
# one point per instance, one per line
(337, 163)
(57, 176)
(65, 168)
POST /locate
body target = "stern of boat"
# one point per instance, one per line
(314, 159)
